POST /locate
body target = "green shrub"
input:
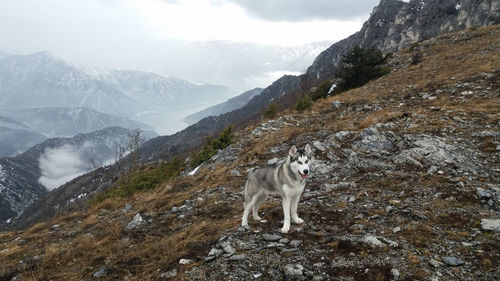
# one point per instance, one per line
(271, 111)
(143, 179)
(360, 66)
(211, 147)
(322, 91)
(303, 104)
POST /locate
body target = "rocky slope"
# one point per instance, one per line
(394, 25)
(404, 187)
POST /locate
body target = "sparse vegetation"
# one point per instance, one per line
(322, 91)
(144, 179)
(303, 104)
(212, 146)
(270, 112)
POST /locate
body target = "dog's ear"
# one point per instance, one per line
(293, 150)
(308, 149)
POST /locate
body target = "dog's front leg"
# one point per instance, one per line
(295, 203)
(286, 215)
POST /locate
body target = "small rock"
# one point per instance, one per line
(215, 252)
(452, 261)
(440, 172)
(104, 271)
(373, 241)
(284, 241)
(135, 223)
(271, 237)
(482, 194)
(395, 273)
(210, 258)
(229, 250)
(389, 209)
(257, 275)
(432, 170)
(435, 263)
(396, 229)
(185, 261)
(238, 257)
(171, 274)
(295, 243)
(490, 224)
(336, 104)
(294, 272)
(235, 173)
(127, 208)
(274, 245)
(319, 146)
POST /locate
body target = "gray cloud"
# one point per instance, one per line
(302, 10)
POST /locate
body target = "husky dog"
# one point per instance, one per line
(286, 179)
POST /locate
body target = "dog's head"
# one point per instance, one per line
(300, 159)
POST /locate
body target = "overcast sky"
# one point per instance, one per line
(122, 33)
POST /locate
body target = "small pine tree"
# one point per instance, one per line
(360, 66)
(323, 91)
(303, 104)
(271, 111)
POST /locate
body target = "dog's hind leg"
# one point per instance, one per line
(250, 200)
(255, 209)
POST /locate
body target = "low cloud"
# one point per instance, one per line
(60, 165)
(300, 10)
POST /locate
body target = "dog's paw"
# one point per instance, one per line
(257, 218)
(298, 221)
(285, 229)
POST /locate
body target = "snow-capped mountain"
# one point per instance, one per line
(42, 80)
(26, 177)
(69, 121)
(240, 65)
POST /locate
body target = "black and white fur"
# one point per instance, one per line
(286, 179)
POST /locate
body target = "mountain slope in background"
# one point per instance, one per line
(227, 106)
(240, 65)
(16, 137)
(42, 80)
(53, 162)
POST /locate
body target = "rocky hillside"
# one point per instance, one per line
(404, 187)
(394, 25)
